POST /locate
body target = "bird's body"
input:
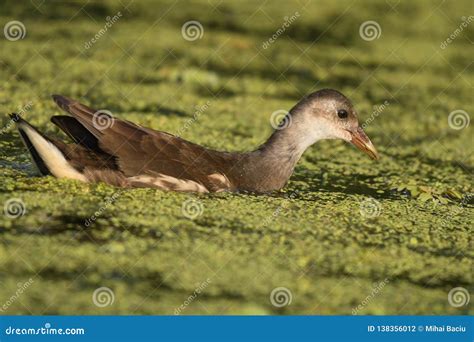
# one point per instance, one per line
(121, 153)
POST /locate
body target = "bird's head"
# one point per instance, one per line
(328, 114)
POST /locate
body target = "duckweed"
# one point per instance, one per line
(342, 225)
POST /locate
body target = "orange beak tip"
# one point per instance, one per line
(363, 143)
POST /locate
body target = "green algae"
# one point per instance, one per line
(341, 226)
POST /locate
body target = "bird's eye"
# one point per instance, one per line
(342, 113)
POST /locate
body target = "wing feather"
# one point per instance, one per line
(140, 151)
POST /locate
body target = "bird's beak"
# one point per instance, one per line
(363, 143)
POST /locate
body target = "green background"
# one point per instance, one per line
(310, 238)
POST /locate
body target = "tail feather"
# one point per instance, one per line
(40, 164)
(35, 156)
(47, 157)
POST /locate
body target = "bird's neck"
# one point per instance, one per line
(270, 166)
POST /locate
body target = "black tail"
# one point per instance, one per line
(15, 117)
(40, 164)
(76, 131)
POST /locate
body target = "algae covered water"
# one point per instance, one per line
(347, 235)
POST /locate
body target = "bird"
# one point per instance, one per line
(123, 154)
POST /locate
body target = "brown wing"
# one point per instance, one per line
(143, 151)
